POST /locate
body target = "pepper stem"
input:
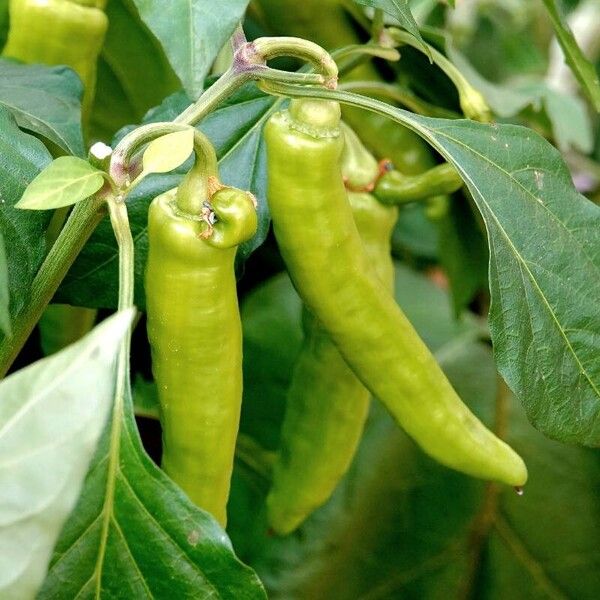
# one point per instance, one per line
(199, 184)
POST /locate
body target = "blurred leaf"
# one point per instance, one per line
(414, 233)
(582, 68)
(235, 129)
(571, 124)
(400, 10)
(3, 21)
(191, 32)
(50, 423)
(145, 398)
(5, 327)
(45, 100)
(65, 181)
(22, 157)
(463, 252)
(168, 152)
(133, 72)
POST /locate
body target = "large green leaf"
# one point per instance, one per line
(191, 32)
(22, 157)
(235, 129)
(50, 423)
(544, 240)
(45, 100)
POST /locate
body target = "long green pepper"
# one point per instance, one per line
(194, 328)
(330, 271)
(327, 405)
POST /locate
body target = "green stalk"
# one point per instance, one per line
(81, 223)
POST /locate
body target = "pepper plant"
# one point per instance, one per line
(145, 150)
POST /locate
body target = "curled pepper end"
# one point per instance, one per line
(519, 490)
(233, 219)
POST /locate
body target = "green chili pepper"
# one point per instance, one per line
(59, 32)
(319, 242)
(194, 327)
(396, 188)
(327, 405)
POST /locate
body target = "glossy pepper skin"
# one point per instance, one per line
(59, 32)
(195, 336)
(334, 29)
(327, 404)
(331, 273)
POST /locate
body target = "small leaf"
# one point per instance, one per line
(400, 10)
(582, 68)
(4, 295)
(168, 152)
(65, 181)
(51, 417)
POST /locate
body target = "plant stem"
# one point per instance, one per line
(79, 226)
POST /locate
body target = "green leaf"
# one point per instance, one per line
(50, 423)
(191, 32)
(400, 10)
(544, 240)
(4, 291)
(582, 68)
(45, 100)
(134, 534)
(235, 129)
(168, 152)
(133, 72)
(65, 181)
(22, 157)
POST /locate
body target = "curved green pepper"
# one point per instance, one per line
(59, 32)
(194, 329)
(330, 271)
(395, 188)
(327, 404)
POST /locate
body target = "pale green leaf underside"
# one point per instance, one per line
(66, 181)
(168, 151)
(51, 416)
